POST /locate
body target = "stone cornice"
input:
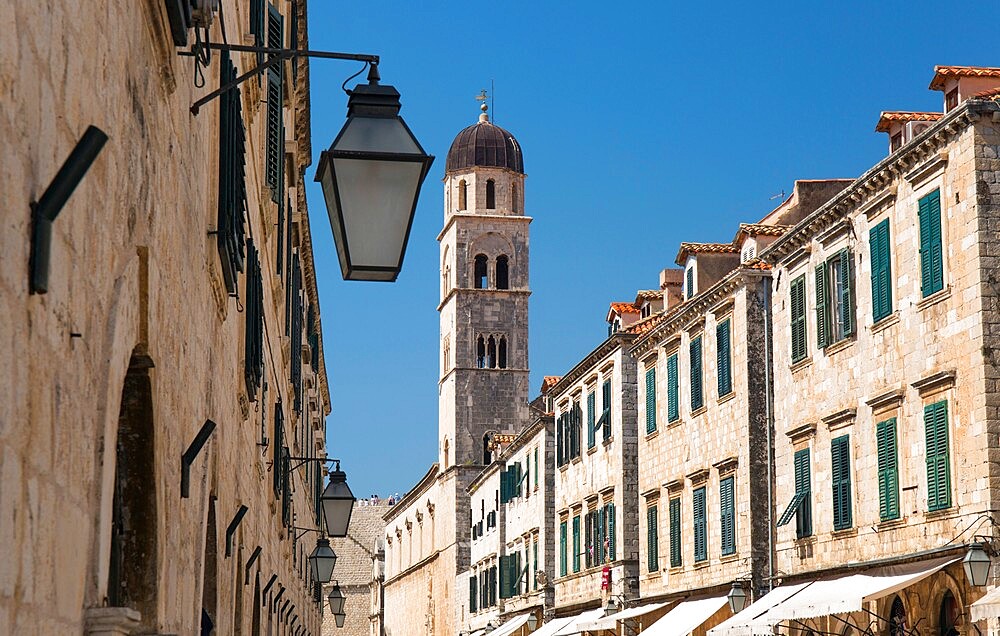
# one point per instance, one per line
(497, 292)
(479, 217)
(935, 382)
(416, 566)
(603, 350)
(425, 482)
(527, 434)
(870, 187)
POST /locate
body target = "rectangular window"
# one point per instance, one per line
(253, 351)
(591, 418)
(609, 533)
(727, 515)
(650, 399)
(275, 141)
(878, 239)
(232, 207)
(576, 543)
(834, 299)
(588, 539)
(534, 559)
(599, 537)
(676, 554)
(652, 541)
(938, 470)
(697, 399)
(689, 283)
(797, 302)
(931, 263)
(840, 461)
(562, 549)
(472, 593)
(723, 356)
(700, 525)
(576, 415)
(803, 490)
(536, 467)
(606, 406)
(559, 440)
(888, 470)
(673, 389)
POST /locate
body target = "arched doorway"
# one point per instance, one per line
(948, 615)
(897, 618)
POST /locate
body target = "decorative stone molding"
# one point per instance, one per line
(835, 232)
(698, 476)
(111, 621)
(674, 485)
(928, 169)
(801, 432)
(879, 203)
(935, 382)
(727, 465)
(884, 401)
(840, 419)
(652, 493)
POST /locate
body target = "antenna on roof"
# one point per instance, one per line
(780, 195)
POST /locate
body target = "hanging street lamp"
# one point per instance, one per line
(338, 502)
(339, 619)
(977, 565)
(737, 597)
(322, 560)
(337, 600)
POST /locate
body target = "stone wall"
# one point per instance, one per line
(354, 571)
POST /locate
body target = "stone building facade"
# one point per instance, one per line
(181, 300)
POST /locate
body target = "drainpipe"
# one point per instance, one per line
(769, 392)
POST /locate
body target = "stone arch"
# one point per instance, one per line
(491, 194)
(515, 203)
(480, 276)
(502, 272)
(133, 563)
(492, 245)
(942, 587)
(463, 195)
(209, 581)
(446, 272)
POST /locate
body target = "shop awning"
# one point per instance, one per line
(576, 624)
(986, 607)
(510, 626)
(611, 621)
(838, 595)
(552, 627)
(686, 617)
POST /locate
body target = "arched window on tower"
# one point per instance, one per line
(463, 191)
(480, 352)
(487, 454)
(515, 205)
(491, 353)
(503, 273)
(479, 275)
(446, 279)
(446, 354)
(502, 353)
(491, 194)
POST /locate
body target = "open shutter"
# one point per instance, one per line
(803, 487)
(822, 316)
(798, 307)
(673, 387)
(652, 541)
(588, 539)
(676, 555)
(700, 539)
(275, 95)
(606, 407)
(650, 399)
(697, 399)
(253, 354)
(725, 379)
(591, 415)
(562, 549)
(847, 292)
(559, 436)
(576, 544)
(472, 594)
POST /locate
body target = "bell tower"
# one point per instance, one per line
(484, 294)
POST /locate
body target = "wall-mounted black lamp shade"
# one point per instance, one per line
(338, 502)
(337, 600)
(610, 607)
(322, 560)
(339, 619)
(737, 597)
(532, 621)
(371, 178)
(977, 565)
(48, 207)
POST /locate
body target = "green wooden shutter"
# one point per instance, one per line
(503, 486)
(798, 307)
(697, 399)
(676, 554)
(673, 387)
(610, 514)
(888, 470)
(847, 291)
(938, 469)
(472, 593)
(576, 543)
(700, 528)
(599, 537)
(606, 408)
(588, 539)
(723, 356)
(275, 94)
(822, 315)
(803, 485)
(840, 459)
(689, 287)
(559, 440)
(650, 399)
(504, 572)
(562, 549)
(536, 466)
(534, 560)
(591, 418)
(652, 541)
(491, 585)
(727, 516)
(931, 263)
(878, 239)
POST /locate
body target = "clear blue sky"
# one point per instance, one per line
(642, 125)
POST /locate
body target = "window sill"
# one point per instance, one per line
(652, 435)
(592, 450)
(840, 345)
(726, 558)
(891, 524)
(563, 468)
(934, 298)
(675, 423)
(943, 513)
(725, 398)
(698, 565)
(576, 460)
(885, 323)
(698, 411)
(801, 364)
(845, 532)
(608, 442)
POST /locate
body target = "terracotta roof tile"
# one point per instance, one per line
(756, 263)
(701, 248)
(647, 294)
(645, 325)
(941, 72)
(624, 308)
(992, 93)
(550, 381)
(759, 229)
(886, 117)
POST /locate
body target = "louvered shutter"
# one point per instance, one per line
(606, 406)
(847, 291)
(689, 287)
(888, 471)
(931, 263)
(232, 204)
(576, 544)
(491, 585)
(504, 574)
(610, 515)
(588, 539)
(591, 417)
(652, 541)
(676, 554)
(296, 335)
(518, 480)
(276, 444)
(723, 356)
(727, 516)
(700, 538)
(562, 549)
(822, 317)
(650, 399)
(559, 441)
(697, 399)
(472, 594)
(253, 350)
(257, 21)
(840, 456)
(534, 561)
(878, 239)
(673, 388)
(803, 486)
(275, 88)
(798, 307)
(938, 470)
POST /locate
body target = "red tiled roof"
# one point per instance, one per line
(645, 325)
(624, 308)
(941, 72)
(886, 117)
(756, 263)
(991, 93)
(759, 229)
(701, 248)
(647, 294)
(550, 381)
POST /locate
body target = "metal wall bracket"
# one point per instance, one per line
(191, 453)
(250, 562)
(231, 530)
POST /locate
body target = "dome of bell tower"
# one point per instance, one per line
(484, 144)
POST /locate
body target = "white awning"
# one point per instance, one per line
(611, 621)
(576, 623)
(822, 598)
(510, 626)
(553, 626)
(686, 617)
(986, 607)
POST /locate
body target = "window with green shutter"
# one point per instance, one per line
(835, 299)
(599, 537)
(534, 559)
(697, 398)
(700, 525)
(840, 462)
(651, 399)
(609, 519)
(676, 554)
(822, 317)
(673, 390)
(588, 539)
(797, 294)
(878, 238)
(888, 470)
(727, 515)
(723, 357)
(652, 541)
(689, 283)
(591, 418)
(274, 150)
(473, 585)
(536, 466)
(803, 491)
(562, 549)
(605, 424)
(931, 262)
(576, 543)
(938, 469)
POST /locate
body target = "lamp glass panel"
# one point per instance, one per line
(376, 199)
(323, 560)
(338, 502)
(337, 600)
(339, 619)
(737, 599)
(977, 566)
(376, 134)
